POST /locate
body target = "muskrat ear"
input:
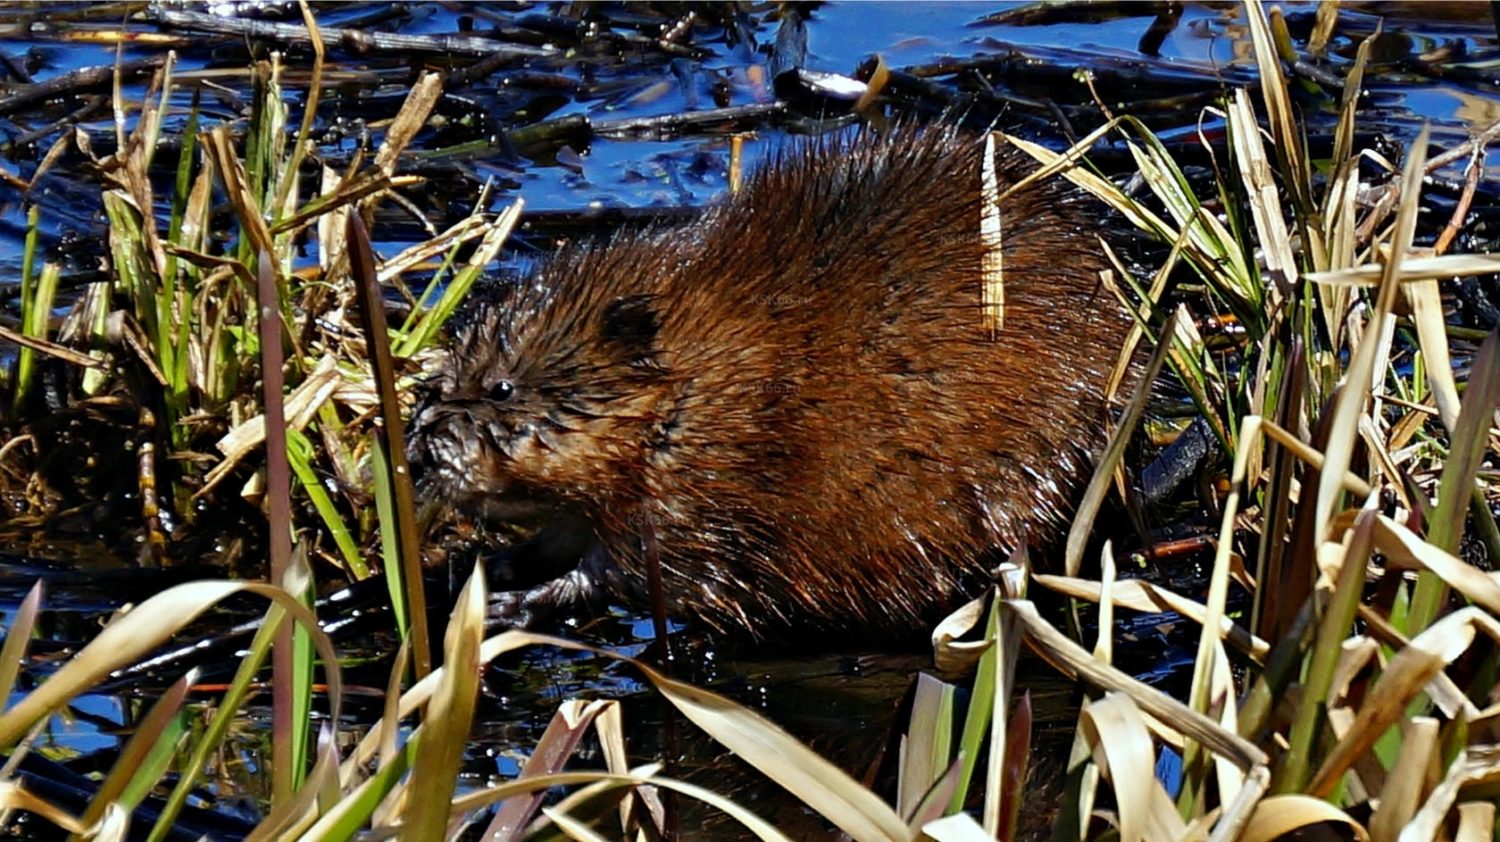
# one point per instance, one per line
(630, 323)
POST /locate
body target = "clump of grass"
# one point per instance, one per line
(176, 327)
(234, 350)
(1331, 700)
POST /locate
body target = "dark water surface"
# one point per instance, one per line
(843, 702)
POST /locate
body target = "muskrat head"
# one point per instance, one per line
(543, 397)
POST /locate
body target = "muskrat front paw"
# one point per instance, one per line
(508, 608)
(523, 609)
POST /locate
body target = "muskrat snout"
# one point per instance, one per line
(456, 447)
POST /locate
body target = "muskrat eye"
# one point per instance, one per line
(502, 391)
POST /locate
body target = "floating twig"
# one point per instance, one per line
(355, 40)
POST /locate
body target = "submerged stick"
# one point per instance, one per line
(75, 81)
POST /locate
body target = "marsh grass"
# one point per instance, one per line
(1336, 691)
(1356, 690)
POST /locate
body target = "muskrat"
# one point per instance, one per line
(796, 394)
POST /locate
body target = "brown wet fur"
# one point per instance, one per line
(796, 392)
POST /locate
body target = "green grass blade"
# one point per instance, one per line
(300, 455)
(31, 313)
(1456, 488)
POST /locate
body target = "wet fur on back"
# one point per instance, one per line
(796, 393)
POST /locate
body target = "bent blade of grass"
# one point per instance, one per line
(450, 715)
(122, 642)
(818, 783)
(821, 785)
(1404, 677)
(131, 636)
(952, 655)
(1122, 748)
(1358, 655)
(644, 776)
(1141, 595)
(1412, 270)
(14, 797)
(1057, 649)
(1403, 548)
(146, 756)
(1279, 815)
